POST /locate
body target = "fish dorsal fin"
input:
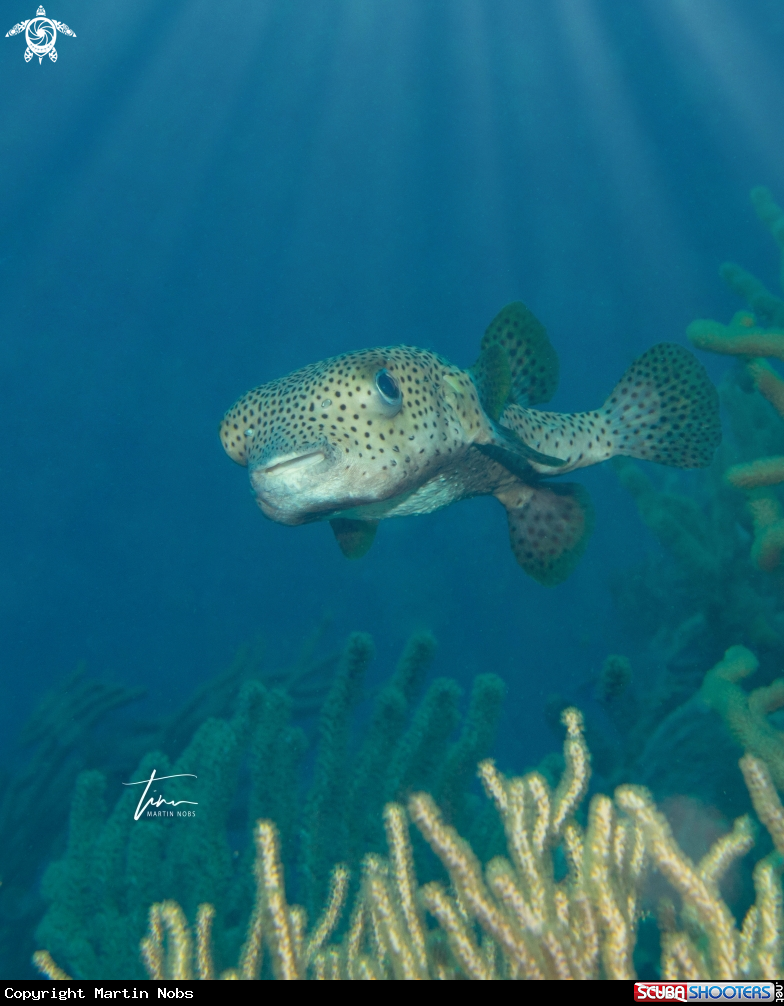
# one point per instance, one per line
(549, 527)
(532, 362)
(493, 379)
(354, 536)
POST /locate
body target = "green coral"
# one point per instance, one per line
(325, 831)
(100, 892)
(766, 306)
(614, 679)
(61, 739)
(752, 336)
(705, 586)
(388, 720)
(474, 742)
(114, 867)
(707, 529)
(746, 713)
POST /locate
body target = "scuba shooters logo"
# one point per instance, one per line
(40, 35)
(709, 991)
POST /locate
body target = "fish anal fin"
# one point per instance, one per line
(549, 528)
(354, 536)
(533, 363)
(664, 409)
(492, 376)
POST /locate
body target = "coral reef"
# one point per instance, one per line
(248, 767)
(687, 603)
(751, 337)
(713, 580)
(306, 681)
(82, 724)
(709, 585)
(514, 918)
(746, 713)
(703, 594)
(62, 737)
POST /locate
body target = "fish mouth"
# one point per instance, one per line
(289, 487)
(296, 462)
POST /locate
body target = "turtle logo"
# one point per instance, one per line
(40, 33)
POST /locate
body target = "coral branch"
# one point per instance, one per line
(744, 713)
(713, 915)
(43, 961)
(751, 341)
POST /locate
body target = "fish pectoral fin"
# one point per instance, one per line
(549, 527)
(354, 536)
(492, 376)
(514, 454)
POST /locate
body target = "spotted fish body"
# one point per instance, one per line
(398, 431)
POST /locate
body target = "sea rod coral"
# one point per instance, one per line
(746, 713)
(249, 768)
(83, 724)
(752, 336)
(720, 531)
(513, 919)
(685, 602)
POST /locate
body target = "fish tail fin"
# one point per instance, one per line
(549, 528)
(664, 409)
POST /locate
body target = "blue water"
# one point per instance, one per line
(197, 198)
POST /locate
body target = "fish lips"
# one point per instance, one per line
(286, 484)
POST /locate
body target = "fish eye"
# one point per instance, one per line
(389, 392)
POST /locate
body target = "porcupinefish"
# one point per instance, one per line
(396, 431)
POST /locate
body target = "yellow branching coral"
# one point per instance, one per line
(697, 886)
(710, 944)
(762, 937)
(511, 918)
(762, 472)
(581, 927)
(768, 522)
(167, 950)
(48, 968)
(767, 471)
(742, 337)
(763, 794)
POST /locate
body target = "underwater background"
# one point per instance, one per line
(199, 199)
